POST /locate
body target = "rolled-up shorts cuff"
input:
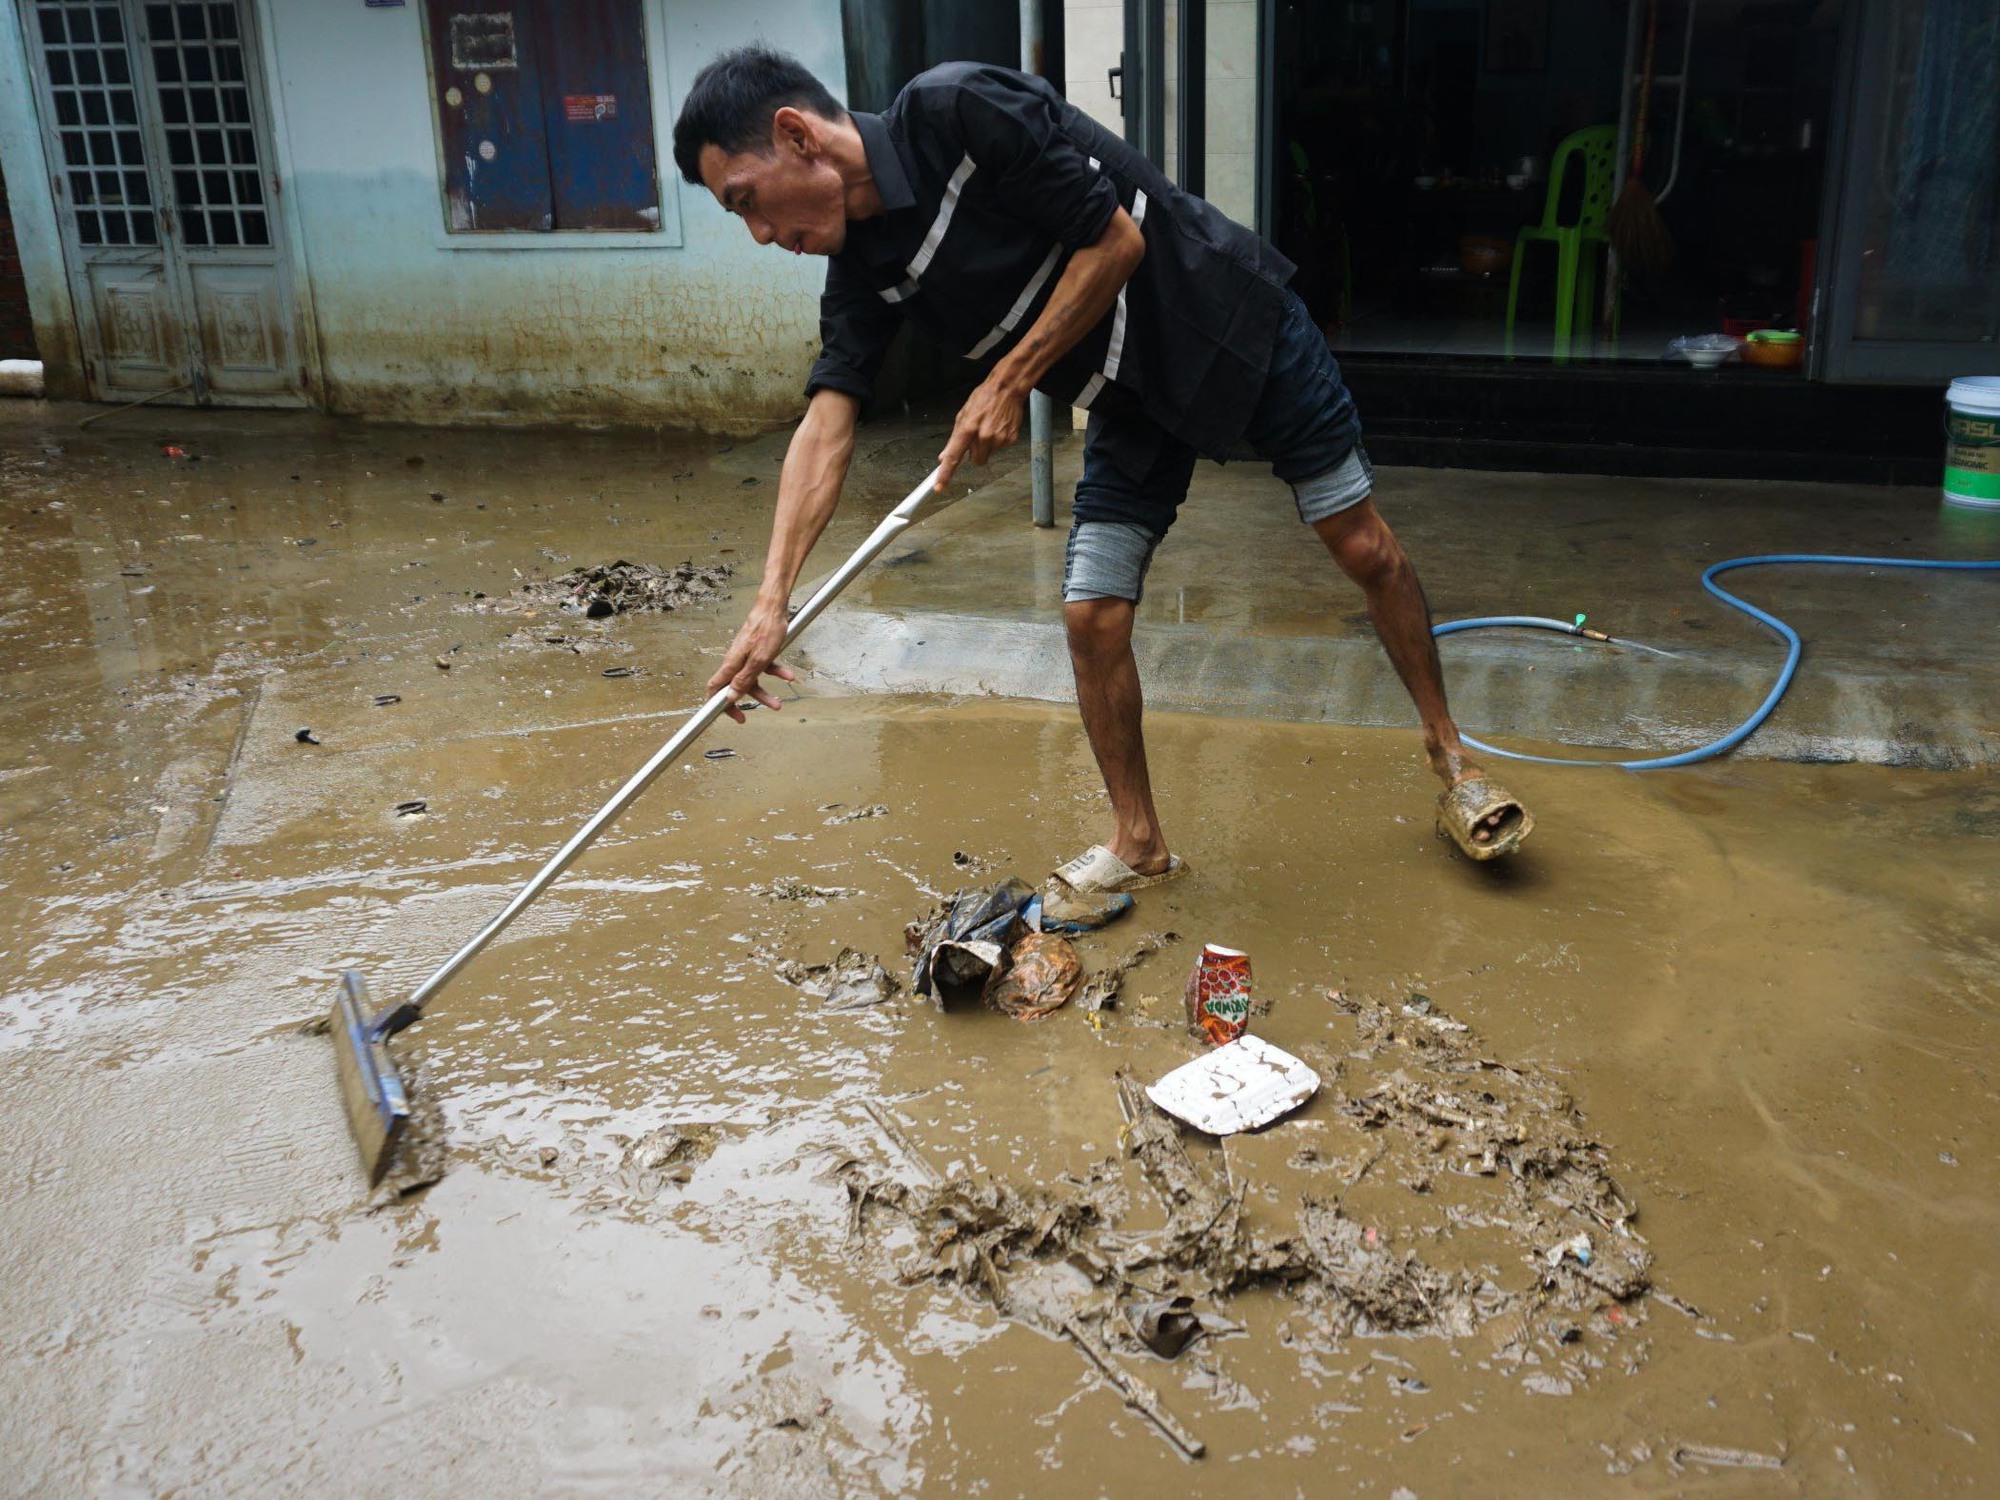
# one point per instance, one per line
(1107, 560)
(1340, 488)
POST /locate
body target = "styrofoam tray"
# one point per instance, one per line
(1238, 1087)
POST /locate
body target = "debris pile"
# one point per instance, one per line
(624, 587)
(987, 940)
(1535, 1224)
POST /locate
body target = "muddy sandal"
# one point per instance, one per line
(1465, 808)
(1094, 890)
(1098, 870)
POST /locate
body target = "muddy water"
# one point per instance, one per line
(1769, 990)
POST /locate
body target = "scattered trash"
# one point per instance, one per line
(668, 1154)
(721, 752)
(1218, 994)
(411, 808)
(965, 942)
(1080, 1257)
(438, 496)
(1577, 1247)
(306, 737)
(1141, 1397)
(1241, 1086)
(800, 890)
(621, 672)
(444, 658)
(879, 810)
(174, 450)
(1100, 991)
(1042, 973)
(1722, 1458)
(623, 587)
(853, 981)
(383, 700)
(1167, 1326)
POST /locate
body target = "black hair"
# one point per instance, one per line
(733, 99)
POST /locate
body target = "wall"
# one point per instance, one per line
(38, 250)
(17, 328)
(715, 331)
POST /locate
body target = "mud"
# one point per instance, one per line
(1556, 1232)
(1100, 990)
(1746, 1012)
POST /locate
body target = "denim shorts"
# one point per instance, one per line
(1304, 424)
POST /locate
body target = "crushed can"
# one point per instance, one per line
(1218, 994)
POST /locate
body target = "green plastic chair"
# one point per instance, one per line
(1595, 152)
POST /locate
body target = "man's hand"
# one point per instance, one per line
(752, 654)
(989, 420)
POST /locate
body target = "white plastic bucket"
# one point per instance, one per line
(1972, 442)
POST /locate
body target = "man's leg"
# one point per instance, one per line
(1109, 697)
(1134, 478)
(1306, 425)
(1368, 552)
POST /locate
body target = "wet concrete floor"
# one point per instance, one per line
(1769, 988)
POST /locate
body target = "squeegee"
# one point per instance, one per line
(377, 1098)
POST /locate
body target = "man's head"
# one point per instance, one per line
(755, 130)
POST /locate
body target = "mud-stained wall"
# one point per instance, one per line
(32, 214)
(411, 322)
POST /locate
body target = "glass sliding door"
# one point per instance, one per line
(1912, 292)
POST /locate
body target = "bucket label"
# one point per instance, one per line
(1975, 442)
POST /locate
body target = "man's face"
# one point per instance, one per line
(791, 196)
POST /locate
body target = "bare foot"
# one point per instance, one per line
(1149, 857)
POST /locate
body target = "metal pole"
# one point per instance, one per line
(1041, 410)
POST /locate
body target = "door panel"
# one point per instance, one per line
(240, 323)
(140, 348)
(210, 128)
(91, 115)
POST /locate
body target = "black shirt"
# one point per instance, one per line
(989, 180)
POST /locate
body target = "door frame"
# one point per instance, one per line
(295, 320)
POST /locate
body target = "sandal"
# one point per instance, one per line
(1463, 808)
(1098, 870)
(1094, 890)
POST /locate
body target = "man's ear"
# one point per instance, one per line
(795, 130)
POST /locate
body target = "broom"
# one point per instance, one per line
(1638, 232)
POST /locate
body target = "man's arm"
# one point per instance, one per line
(808, 493)
(1089, 284)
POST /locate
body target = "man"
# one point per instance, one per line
(1006, 223)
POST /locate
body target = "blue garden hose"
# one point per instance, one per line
(1793, 649)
